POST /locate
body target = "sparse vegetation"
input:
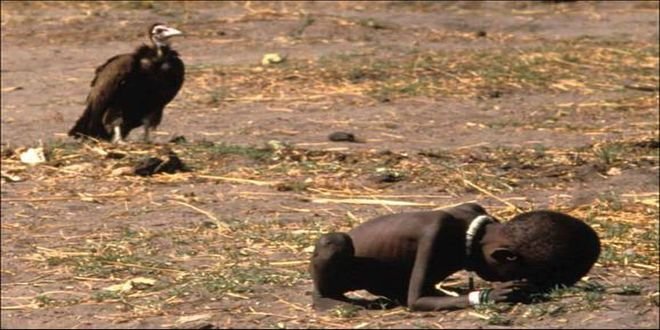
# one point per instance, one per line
(345, 311)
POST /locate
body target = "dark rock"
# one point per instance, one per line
(153, 165)
(148, 166)
(178, 139)
(115, 155)
(651, 144)
(8, 152)
(495, 94)
(388, 177)
(342, 137)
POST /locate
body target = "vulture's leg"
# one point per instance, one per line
(147, 130)
(147, 123)
(116, 138)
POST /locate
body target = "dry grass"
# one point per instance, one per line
(226, 258)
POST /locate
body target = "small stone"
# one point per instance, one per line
(33, 156)
(272, 58)
(153, 165)
(342, 137)
(178, 139)
(495, 94)
(614, 171)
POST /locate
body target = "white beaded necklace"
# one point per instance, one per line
(472, 230)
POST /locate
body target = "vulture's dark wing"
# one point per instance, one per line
(110, 78)
(107, 84)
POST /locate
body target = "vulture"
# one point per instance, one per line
(131, 90)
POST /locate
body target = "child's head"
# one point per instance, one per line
(551, 248)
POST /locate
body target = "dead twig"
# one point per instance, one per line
(59, 198)
(294, 306)
(369, 202)
(221, 226)
(19, 307)
(488, 193)
(239, 180)
(116, 263)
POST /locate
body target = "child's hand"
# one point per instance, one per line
(510, 291)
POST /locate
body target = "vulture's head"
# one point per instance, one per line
(160, 34)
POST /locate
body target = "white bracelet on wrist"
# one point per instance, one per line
(473, 298)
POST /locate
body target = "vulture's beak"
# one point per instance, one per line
(171, 32)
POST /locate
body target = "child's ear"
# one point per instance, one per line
(504, 255)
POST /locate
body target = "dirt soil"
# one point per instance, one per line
(515, 105)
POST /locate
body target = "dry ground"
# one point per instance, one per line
(517, 106)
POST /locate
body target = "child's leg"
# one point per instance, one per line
(329, 267)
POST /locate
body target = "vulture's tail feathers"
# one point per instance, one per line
(90, 124)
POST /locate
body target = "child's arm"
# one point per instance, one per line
(501, 292)
(419, 298)
(420, 290)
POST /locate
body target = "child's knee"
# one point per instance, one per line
(334, 246)
(330, 264)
